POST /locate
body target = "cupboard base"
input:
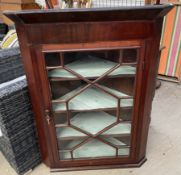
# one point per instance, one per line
(134, 165)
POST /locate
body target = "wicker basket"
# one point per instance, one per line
(10, 64)
(19, 141)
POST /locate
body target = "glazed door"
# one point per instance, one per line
(91, 93)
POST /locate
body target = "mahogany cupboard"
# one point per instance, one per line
(91, 76)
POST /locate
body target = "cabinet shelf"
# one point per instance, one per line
(99, 120)
(120, 130)
(90, 67)
(93, 99)
(95, 148)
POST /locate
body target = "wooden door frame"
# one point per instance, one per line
(51, 140)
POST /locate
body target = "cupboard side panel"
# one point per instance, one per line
(34, 91)
(148, 88)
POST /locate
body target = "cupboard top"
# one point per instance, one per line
(149, 12)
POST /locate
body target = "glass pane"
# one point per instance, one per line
(126, 114)
(60, 119)
(93, 149)
(122, 144)
(91, 64)
(93, 122)
(92, 101)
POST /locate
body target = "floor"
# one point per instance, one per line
(164, 141)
